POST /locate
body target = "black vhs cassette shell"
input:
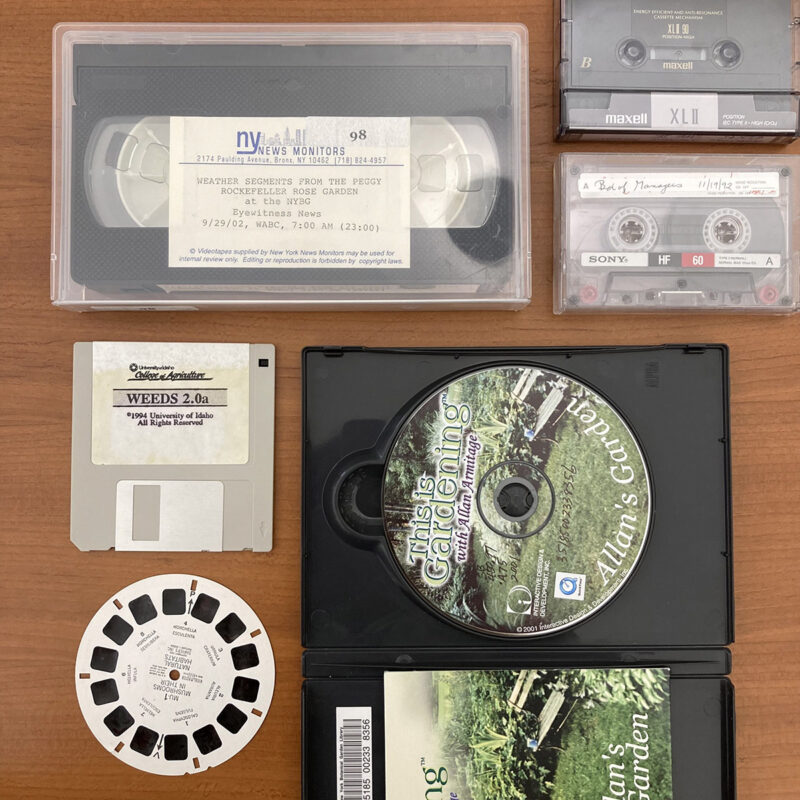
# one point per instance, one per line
(675, 399)
(701, 707)
(116, 85)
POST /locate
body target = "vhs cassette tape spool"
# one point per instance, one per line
(627, 248)
(454, 172)
(174, 674)
(351, 430)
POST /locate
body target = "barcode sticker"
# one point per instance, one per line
(354, 753)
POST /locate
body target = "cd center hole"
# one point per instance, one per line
(727, 231)
(631, 231)
(174, 674)
(515, 500)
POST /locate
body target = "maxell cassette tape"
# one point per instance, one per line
(666, 68)
(537, 497)
(502, 723)
(662, 232)
(291, 166)
(172, 446)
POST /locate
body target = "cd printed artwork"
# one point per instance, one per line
(174, 674)
(516, 501)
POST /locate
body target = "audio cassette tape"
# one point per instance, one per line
(291, 166)
(665, 68)
(664, 232)
(453, 497)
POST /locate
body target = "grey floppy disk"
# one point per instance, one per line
(172, 446)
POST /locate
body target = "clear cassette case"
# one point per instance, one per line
(663, 232)
(290, 166)
(662, 69)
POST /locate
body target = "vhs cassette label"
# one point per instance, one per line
(291, 192)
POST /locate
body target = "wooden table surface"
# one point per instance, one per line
(49, 590)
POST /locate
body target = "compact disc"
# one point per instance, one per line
(174, 674)
(516, 501)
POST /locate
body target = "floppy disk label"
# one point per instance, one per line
(170, 404)
(290, 192)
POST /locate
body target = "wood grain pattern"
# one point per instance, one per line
(49, 590)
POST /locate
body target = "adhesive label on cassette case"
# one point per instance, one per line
(170, 403)
(619, 185)
(502, 483)
(290, 192)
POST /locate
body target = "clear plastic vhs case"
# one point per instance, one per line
(290, 166)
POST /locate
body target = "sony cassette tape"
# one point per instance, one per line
(453, 497)
(218, 166)
(390, 725)
(663, 232)
(172, 446)
(665, 68)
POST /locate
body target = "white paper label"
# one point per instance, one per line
(290, 192)
(694, 184)
(354, 753)
(685, 112)
(155, 403)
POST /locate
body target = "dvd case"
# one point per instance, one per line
(290, 166)
(661, 69)
(567, 498)
(663, 232)
(352, 740)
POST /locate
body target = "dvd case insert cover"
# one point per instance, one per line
(391, 167)
(530, 733)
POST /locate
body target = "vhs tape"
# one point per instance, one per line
(662, 232)
(172, 446)
(454, 497)
(513, 724)
(291, 166)
(662, 68)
